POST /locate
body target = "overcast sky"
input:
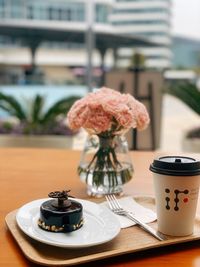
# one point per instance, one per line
(186, 18)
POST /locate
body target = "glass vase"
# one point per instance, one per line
(105, 165)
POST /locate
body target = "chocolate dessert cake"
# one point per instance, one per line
(62, 214)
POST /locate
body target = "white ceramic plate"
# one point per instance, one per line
(100, 226)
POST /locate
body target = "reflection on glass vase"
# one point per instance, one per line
(105, 164)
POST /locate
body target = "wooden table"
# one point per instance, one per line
(28, 174)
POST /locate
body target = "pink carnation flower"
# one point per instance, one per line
(107, 110)
(78, 114)
(98, 120)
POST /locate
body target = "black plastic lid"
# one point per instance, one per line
(176, 166)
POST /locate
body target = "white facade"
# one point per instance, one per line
(146, 18)
(55, 14)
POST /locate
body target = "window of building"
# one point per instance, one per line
(152, 34)
(62, 11)
(50, 13)
(2, 3)
(102, 12)
(30, 12)
(141, 22)
(141, 10)
(2, 8)
(142, 0)
(15, 9)
(80, 13)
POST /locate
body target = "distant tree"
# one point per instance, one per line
(180, 67)
(137, 60)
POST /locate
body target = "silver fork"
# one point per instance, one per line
(117, 209)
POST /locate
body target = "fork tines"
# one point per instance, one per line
(113, 202)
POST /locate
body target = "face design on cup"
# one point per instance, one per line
(176, 200)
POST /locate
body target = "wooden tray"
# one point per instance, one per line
(128, 241)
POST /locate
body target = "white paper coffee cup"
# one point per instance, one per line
(176, 184)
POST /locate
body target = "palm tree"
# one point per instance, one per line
(34, 119)
(190, 95)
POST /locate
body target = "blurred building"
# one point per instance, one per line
(53, 58)
(186, 53)
(146, 18)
